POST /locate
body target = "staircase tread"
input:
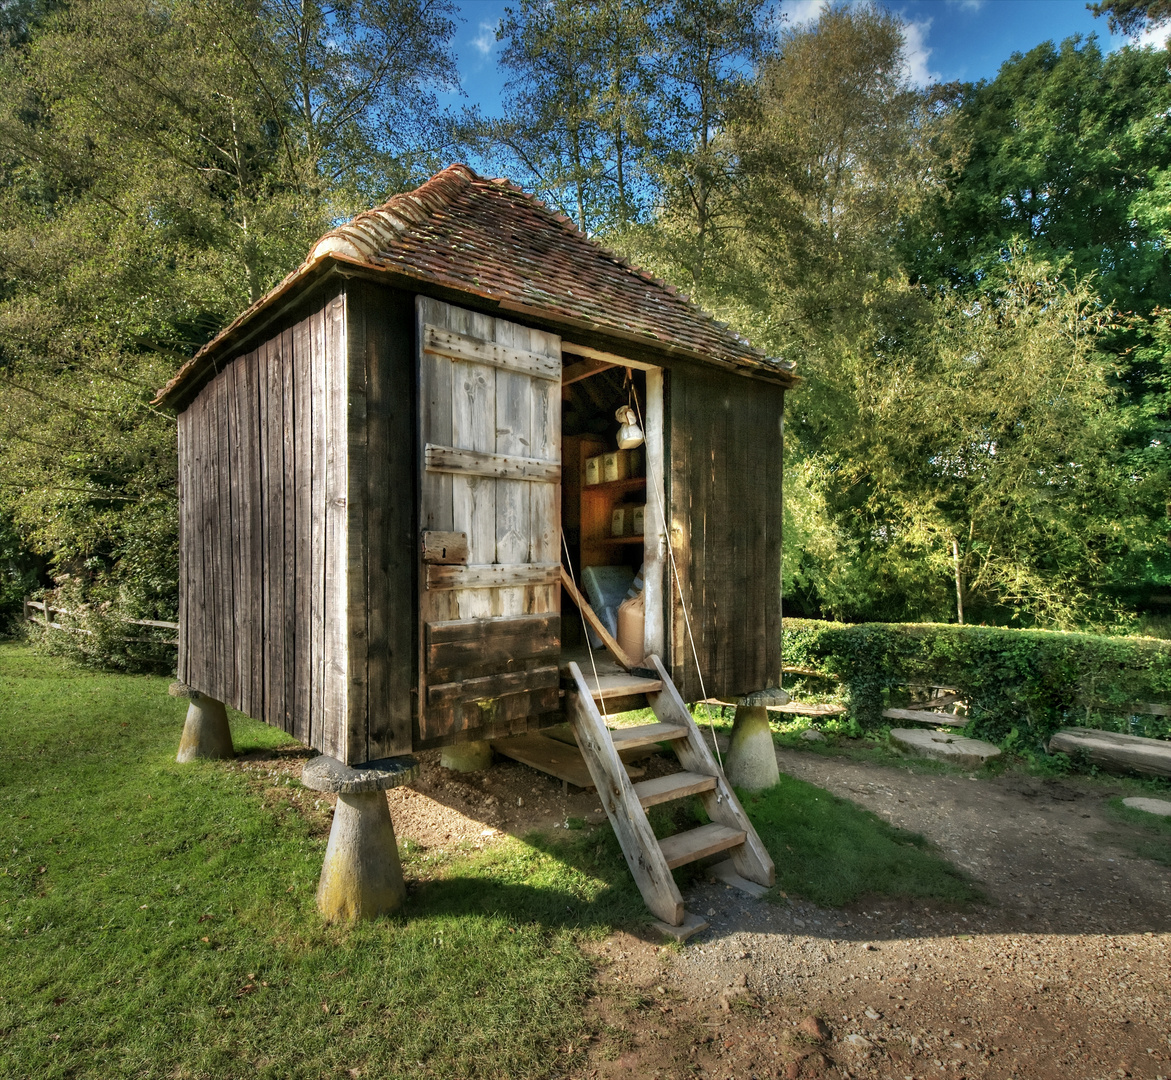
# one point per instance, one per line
(555, 758)
(673, 786)
(688, 846)
(619, 685)
(623, 738)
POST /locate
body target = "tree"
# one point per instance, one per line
(159, 168)
(995, 427)
(550, 129)
(707, 53)
(1132, 17)
(616, 106)
(1066, 150)
(836, 154)
(576, 111)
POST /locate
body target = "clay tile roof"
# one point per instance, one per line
(490, 239)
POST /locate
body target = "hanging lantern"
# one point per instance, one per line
(629, 434)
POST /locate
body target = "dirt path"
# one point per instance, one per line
(1065, 972)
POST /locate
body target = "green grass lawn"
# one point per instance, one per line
(833, 852)
(1148, 835)
(158, 920)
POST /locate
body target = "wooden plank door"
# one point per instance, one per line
(489, 511)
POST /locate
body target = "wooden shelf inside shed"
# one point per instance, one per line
(610, 488)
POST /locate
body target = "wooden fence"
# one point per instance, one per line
(48, 610)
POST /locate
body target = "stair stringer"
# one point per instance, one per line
(751, 859)
(647, 864)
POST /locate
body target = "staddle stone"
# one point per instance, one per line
(328, 774)
(361, 877)
(206, 735)
(1152, 806)
(771, 695)
(752, 758)
(943, 746)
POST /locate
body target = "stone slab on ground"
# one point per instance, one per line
(1152, 806)
(691, 925)
(1114, 752)
(959, 750)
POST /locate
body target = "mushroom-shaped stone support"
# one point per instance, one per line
(362, 877)
(752, 758)
(206, 735)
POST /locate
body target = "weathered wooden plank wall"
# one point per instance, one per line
(488, 456)
(264, 563)
(725, 513)
(381, 328)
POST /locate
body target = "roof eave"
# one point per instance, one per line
(190, 377)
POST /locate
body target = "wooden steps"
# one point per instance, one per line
(651, 860)
(554, 757)
(613, 688)
(668, 788)
(686, 847)
(645, 734)
(607, 687)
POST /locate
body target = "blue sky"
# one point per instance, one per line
(946, 39)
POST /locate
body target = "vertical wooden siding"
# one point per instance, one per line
(263, 466)
(383, 533)
(725, 511)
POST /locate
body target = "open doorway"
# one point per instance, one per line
(612, 499)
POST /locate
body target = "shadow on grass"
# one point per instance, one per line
(833, 852)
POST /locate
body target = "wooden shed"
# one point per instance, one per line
(384, 461)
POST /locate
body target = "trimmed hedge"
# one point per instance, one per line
(1030, 681)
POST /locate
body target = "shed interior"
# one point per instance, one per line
(608, 504)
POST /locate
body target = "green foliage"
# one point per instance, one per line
(833, 852)
(18, 573)
(1064, 149)
(1021, 685)
(159, 169)
(992, 425)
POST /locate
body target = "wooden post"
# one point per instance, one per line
(955, 554)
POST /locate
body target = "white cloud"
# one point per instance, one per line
(802, 12)
(918, 53)
(1154, 35)
(485, 40)
(968, 5)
